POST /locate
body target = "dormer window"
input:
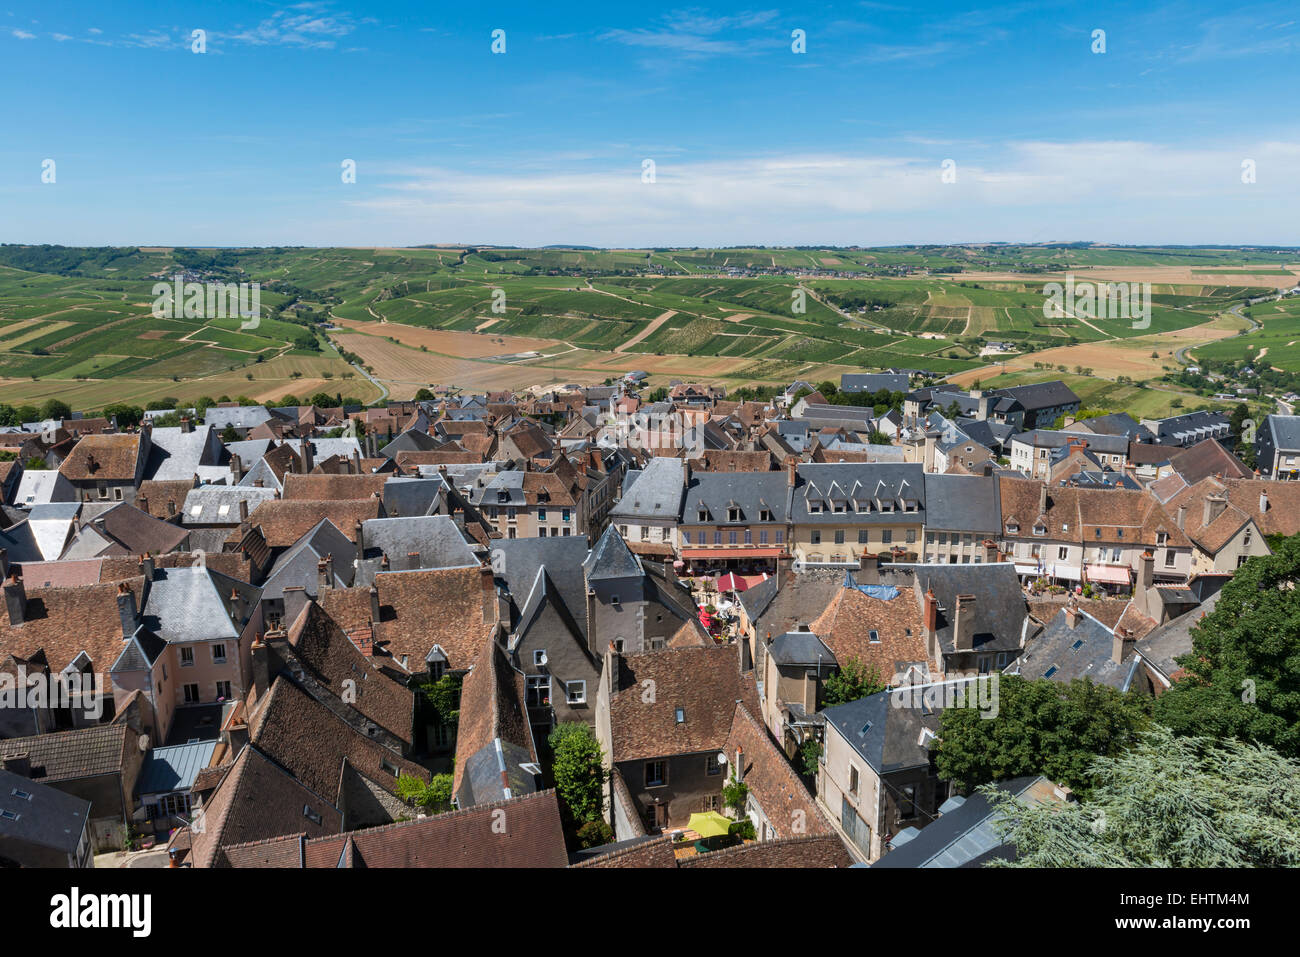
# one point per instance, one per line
(765, 515)
(1040, 529)
(704, 514)
(1013, 528)
(733, 514)
(815, 508)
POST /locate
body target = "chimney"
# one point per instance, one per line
(356, 461)
(171, 506)
(931, 612)
(243, 510)
(142, 503)
(489, 595)
(187, 424)
(325, 574)
(686, 474)
(147, 566)
(810, 690)
(236, 467)
(1214, 506)
(990, 551)
(412, 560)
(261, 664)
(1072, 615)
(791, 471)
(868, 569)
(1182, 515)
(740, 764)
(15, 599)
(1119, 644)
(1042, 499)
(295, 599)
(126, 609)
(19, 764)
(384, 563)
(1263, 502)
(308, 456)
(963, 624)
(374, 605)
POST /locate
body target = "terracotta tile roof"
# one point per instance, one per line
(449, 607)
(720, 460)
(112, 458)
(772, 782)
(311, 742)
(533, 837)
(67, 574)
(118, 568)
(690, 635)
(845, 628)
(284, 522)
(154, 496)
(410, 460)
(257, 799)
(705, 683)
(1105, 610)
(1075, 514)
(491, 707)
(655, 852)
(332, 659)
(66, 621)
(812, 851)
(332, 488)
(1223, 525)
(69, 755)
(484, 444)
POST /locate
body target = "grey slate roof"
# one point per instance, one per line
(51, 818)
(961, 837)
(962, 503)
(219, 504)
(299, 564)
(886, 736)
(436, 538)
(516, 561)
(800, 648)
(657, 493)
(874, 382)
(190, 604)
(139, 652)
(1173, 639)
(611, 558)
(240, 416)
(1000, 609)
(717, 492)
(1081, 652)
(405, 497)
(854, 482)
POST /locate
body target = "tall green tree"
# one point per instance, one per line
(1243, 672)
(1041, 727)
(853, 681)
(578, 771)
(1168, 802)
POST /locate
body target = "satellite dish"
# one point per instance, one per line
(722, 757)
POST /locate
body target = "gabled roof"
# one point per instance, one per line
(699, 685)
(71, 755)
(494, 739)
(611, 558)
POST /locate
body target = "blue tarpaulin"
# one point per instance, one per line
(883, 592)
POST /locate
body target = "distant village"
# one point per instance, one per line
(315, 637)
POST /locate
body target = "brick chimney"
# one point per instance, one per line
(325, 573)
(963, 623)
(1072, 614)
(791, 471)
(1214, 506)
(868, 569)
(931, 612)
(295, 599)
(142, 502)
(126, 610)
(15, 599)
(187, 424)
(171, 506)
(1042, 499)
(261, 666)
(1120, 642)
(1182, 516)
(236, 467)
(990, 551)
(489, 595)
(374, 604)
(412, 560)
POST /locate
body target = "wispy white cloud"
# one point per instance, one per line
(23, 35)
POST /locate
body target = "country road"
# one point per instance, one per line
(1180, 354)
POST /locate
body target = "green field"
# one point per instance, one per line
(83, 315)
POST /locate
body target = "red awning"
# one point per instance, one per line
(732, 552)
(1110, 574)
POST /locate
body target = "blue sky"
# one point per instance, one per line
(545, 143)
